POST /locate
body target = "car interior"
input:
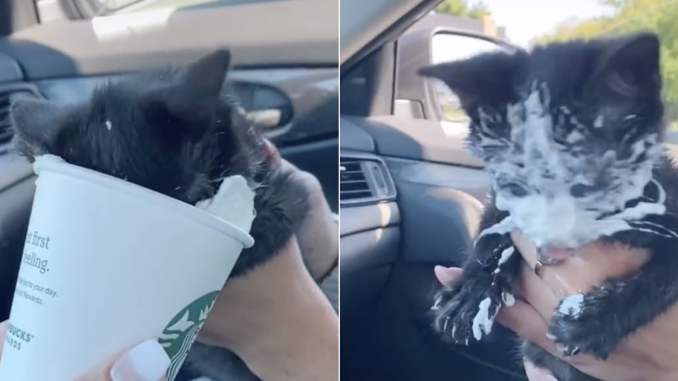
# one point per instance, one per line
(410, 199)
(284, 76)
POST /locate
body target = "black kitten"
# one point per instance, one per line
(174, 132)
(571, 136)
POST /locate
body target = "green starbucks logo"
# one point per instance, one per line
(182, 330)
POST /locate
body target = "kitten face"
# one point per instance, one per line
(167, 131)
(569, 132)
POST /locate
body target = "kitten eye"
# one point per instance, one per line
(582, 190)
(517, 190)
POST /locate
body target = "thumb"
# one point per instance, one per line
(146, 361)
(447, 276)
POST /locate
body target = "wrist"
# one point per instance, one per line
(276, 307)
(308, 336)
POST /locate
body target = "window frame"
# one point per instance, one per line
(87, 8)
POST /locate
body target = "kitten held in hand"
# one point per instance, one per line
(571, 136)
(178, 132)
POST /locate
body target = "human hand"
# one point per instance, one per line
(277, 320)
(649, 354)
(274, 316)
(146, 361)
(318, 232)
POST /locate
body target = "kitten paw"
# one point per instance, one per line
(578, 327)
(464, 314)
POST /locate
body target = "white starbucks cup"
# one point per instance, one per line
(108, 264)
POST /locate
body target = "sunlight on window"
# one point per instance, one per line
(447, 47)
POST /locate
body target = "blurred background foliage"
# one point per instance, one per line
(659, 16)
(463, 8)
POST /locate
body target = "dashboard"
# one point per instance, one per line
(390, 242)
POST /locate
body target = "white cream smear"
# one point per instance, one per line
(548, 214)
(505, 255)
(436, 304)
(233, 202)
(508, 299)
(572, 305)
(482, 322)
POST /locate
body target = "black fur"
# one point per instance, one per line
(175, 132)
(600, 103)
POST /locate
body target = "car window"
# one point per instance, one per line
(447, 47)
(451, 47)
(566, 20)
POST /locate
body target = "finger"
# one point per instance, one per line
(527, 323)
(537, 374)
(527, 250)
(447, 276)
(560, 279)
(146, 361)
(3, 332)
(592, 264)
(271, 154)
(537, 292)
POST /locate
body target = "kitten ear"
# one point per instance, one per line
(194, 93)
(36, 122)
(629, 68)
(202, 80)
(484, 79)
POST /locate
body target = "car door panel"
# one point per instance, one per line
(311, 94)
(431, 195)
(256, 34)
(438, 221)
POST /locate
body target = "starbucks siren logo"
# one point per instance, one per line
(182, 330)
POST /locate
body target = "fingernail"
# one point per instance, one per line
(147, 361)
(538, 374)
(446, 275)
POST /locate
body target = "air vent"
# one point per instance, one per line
(353, 182)
(364, 181)
(6, 98)
(5, 121)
